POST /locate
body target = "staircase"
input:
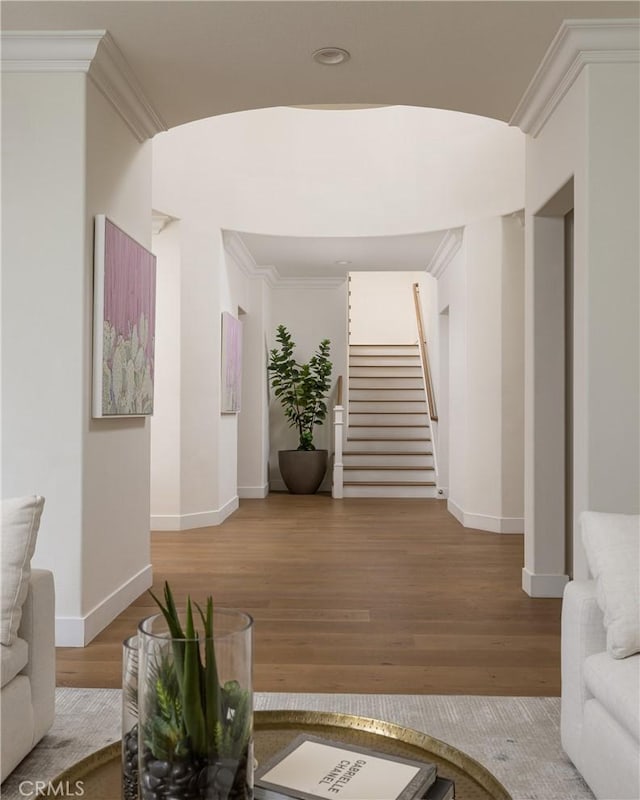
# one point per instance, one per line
(388, 449)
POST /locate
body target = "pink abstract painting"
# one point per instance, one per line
(124, 323)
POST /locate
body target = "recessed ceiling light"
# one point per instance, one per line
(343, 263)
(330, 56)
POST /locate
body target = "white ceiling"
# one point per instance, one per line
(296, 256)
(198, 58)
(195, 59)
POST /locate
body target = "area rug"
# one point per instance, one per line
(516, 738)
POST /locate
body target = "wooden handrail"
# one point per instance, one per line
(339, 391)
(424, 355)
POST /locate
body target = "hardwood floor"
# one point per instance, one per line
(359, 595)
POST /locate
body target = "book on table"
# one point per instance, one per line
(312, 768)
(440, 789)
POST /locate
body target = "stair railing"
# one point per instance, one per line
(338, 422)
(432, 410)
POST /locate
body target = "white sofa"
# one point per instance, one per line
(600, 707)
(29, 675)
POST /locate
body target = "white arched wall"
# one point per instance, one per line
(300, 172)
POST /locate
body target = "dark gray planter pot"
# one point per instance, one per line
(303, 470)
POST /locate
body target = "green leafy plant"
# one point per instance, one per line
(301, 388)
(191, 714)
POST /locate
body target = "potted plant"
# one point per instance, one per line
(302, 390)
(195, 704)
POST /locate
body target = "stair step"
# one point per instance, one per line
(389, 419)
(384, 446)
(374, 371)
(390, 483)
(383, 361)
(385, 382)
(389, 475)
(383, 394)
(387, 406)
(363, 458)
(383, 349)
(390, 490)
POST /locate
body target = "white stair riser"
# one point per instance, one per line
(388, 432)
(386, 350)
(384, 445)
(386, 395)
(383, 361)
(388, 420)
(387, 460)
(374, 373)
(390, 491)
(397, 475)
(386, 406)
(384, 382)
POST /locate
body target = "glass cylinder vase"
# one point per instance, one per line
(130, 718)
(195, 708)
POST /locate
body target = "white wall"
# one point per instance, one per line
(116, 465)
(382, 307)
(44, 326)
(165, 423)
(591, 136)
(300, 172)
(480, 298)
(452, 425)
(60, 170)
(253, 419)
(482, 464)
(512, 399)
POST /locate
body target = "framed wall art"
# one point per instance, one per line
(124, 319)
(231, 360)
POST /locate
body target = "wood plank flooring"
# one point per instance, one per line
(358, 595)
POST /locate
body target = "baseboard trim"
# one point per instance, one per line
(484, 522)
(253, 492)
(79, 631)
(537, 585)
(198, 519)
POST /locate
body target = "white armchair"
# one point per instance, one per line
(600, 708)
(29, 675)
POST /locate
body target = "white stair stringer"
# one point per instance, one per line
(388, 449)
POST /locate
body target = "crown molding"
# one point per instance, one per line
(159, 222)
(518, 216)
(115, 79)
(49, 51)
(311, 282)
(577, 43)
(93, 53)
(235, 246)
(448, 247)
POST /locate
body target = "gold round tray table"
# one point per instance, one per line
(273, 730)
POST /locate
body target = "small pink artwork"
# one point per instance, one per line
(124, 323)
(231, 358)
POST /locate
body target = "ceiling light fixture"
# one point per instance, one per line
(330, 56)
(343, 263)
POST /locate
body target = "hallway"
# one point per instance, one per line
(359, 595)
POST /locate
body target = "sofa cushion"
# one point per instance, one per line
(20, 522)
(612, 546)
(615, 684)
(14, 659)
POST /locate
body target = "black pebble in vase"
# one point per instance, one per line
(195, 779)
(130, 765)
